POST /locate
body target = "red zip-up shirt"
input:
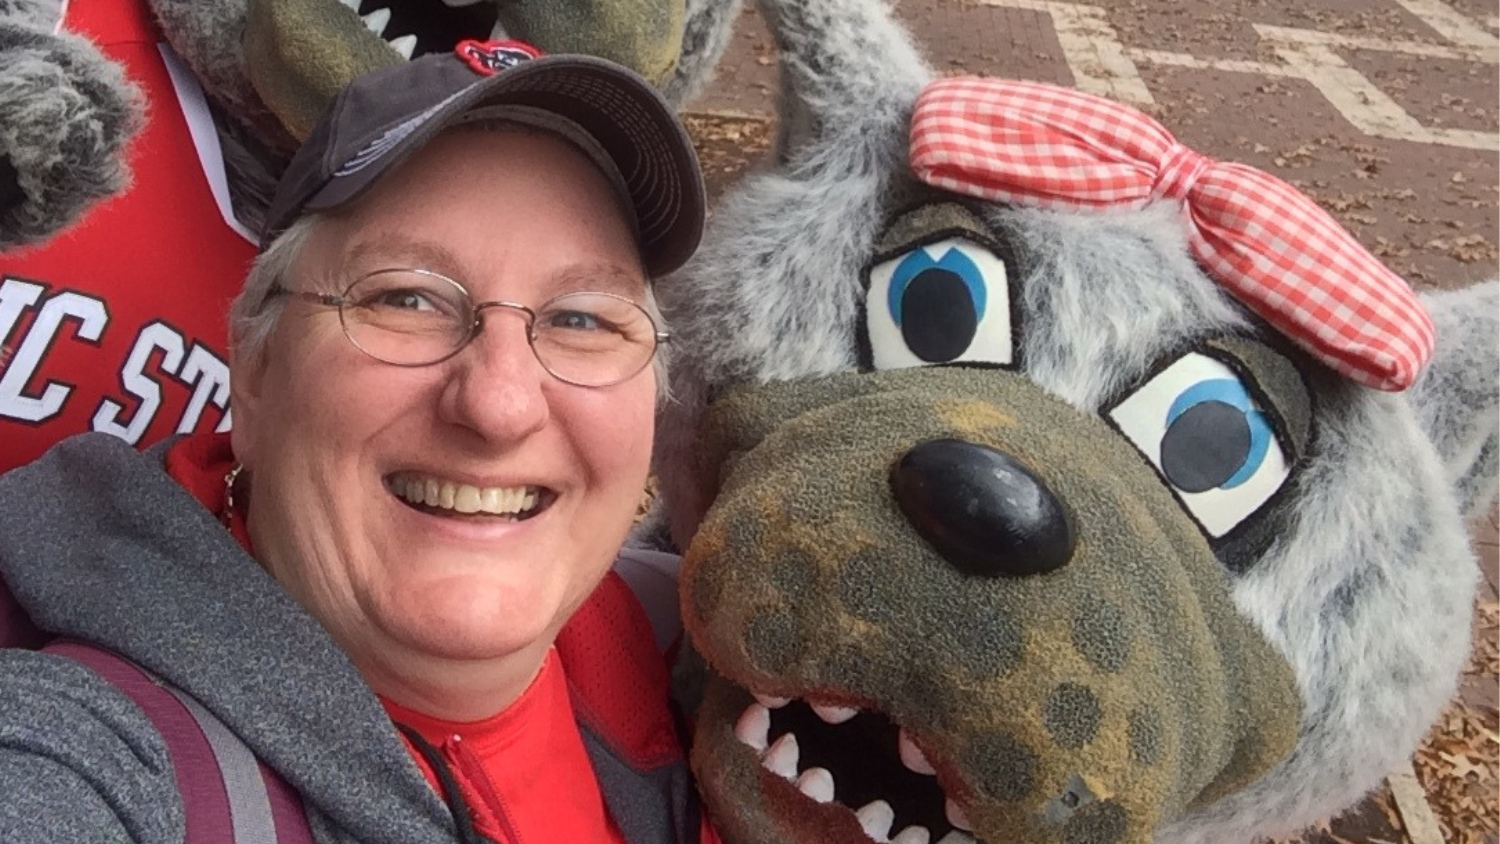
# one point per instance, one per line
(524, 771)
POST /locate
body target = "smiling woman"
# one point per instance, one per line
(444, 406)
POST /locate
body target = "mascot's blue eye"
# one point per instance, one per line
(944, 302)
(938, 305)
(1215, 437)
(1198, 424)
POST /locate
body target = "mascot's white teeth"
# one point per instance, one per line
(772, 702)
(817, 784)
(956, 816)
(377, 20)
(754, 727)
(835, 714)
(913, 757)
(829, 713)
(405, 45)
(783, 757)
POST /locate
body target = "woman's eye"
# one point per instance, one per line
(943, 302)
(575, 320)
(1216, 448)
(405, 300)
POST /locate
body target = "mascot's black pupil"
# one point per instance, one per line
(1205, 446)
(937, 316)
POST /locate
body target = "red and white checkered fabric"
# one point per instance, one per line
(1270, 246)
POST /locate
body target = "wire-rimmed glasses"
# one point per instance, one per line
(415, 317)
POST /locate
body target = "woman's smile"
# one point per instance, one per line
(439, 496)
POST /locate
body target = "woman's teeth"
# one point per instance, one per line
(463, 498)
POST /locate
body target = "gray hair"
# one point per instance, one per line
(256, 310)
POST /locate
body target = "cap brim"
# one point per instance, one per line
(621, 111)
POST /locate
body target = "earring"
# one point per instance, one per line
(229, 479)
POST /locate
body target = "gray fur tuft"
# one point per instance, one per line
(39, 15)
(706, 30)
(66, 114)
(1458, 397)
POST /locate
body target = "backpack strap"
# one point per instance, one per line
(228, 796)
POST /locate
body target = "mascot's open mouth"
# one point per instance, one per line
(417, 27)
(857, 759)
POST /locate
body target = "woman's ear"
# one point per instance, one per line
(246, 377)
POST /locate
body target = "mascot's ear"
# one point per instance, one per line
(1457, 398)
(845, 67)
(66, 114)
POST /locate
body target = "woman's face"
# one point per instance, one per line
(329, 434)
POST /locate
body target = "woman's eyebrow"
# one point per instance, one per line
(393, 250)
(603, 277)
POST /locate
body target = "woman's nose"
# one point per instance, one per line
(985, 512)
(496, 385)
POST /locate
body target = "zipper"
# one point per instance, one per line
(451, 791)
(473, 772)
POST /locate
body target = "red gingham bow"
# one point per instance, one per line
(1270, 246)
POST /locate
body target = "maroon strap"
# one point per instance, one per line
(286, 808)
(16, 629)
(270, 810)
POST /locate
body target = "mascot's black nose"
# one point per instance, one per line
(982, 510)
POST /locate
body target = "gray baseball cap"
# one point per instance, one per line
(607, 111)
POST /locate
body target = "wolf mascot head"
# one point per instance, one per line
(1053, 521)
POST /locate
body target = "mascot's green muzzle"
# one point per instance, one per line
(299, 53)
(999, 583)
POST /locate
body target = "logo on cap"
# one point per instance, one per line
(488, 58)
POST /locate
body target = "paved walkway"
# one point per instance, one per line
(1383, 110)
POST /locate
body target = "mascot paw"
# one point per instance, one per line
(66, 114)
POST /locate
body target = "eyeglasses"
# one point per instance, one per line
(410, 317)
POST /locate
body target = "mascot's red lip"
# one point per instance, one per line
(859, 764)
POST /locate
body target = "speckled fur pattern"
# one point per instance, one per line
(1366, 588)
(66, 113)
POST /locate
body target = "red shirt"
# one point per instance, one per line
(524, 771)
(118, 324)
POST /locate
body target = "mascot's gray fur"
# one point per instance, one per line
(67, 113)
(1159, 687)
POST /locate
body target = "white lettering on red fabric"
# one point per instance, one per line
(89, 315)
(139, 383)
(161, 356)
(209, 378)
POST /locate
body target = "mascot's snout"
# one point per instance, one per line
(1053, 671)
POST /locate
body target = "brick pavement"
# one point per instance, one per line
(1383, 110)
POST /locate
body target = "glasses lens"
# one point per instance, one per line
(406, 317)
(593, 339)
